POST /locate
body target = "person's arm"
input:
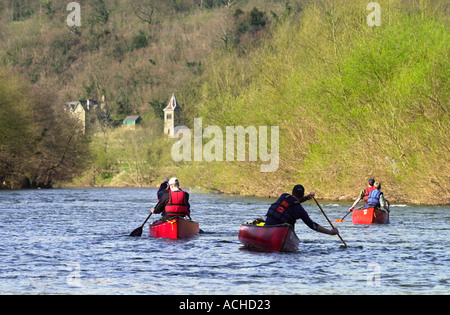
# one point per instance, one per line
(161, 204)
(308, 197)
(299, 213)
(361, 197)
(383, 202)
(323, 230)
(354, 205)
(188, 204)
(302, 214)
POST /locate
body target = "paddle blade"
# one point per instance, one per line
(338, 221)
(137, 232)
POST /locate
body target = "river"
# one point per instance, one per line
(75, 241)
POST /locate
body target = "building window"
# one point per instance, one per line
(169, 116)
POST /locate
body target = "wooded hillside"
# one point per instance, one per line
(136, 53)
(352, 101)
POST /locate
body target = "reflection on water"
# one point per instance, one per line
(76, 242)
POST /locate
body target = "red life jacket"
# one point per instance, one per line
(178, 204)
(367, 192)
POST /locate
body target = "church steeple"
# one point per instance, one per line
(169, 117)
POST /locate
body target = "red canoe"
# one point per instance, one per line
(370, 216)
(174, 229)
(276, 238)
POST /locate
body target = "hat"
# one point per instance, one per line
(174, 181)
(298, 190)
(371, 181)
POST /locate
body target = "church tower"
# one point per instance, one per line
(169, 117)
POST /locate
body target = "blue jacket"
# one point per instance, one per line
(374, 199)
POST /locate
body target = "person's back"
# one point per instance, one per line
(282, 211)
(376, 199)
(174, 202)
(288, 209)
(177, 204)
(367, 192)
(364, 194)
(373, 201)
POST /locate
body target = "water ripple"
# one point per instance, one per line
(76, 242)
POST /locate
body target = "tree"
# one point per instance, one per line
(145, 10)
(40, 142)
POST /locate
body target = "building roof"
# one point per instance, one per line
(71, 105)
(131, 119)
(173, 104)
(86, 104)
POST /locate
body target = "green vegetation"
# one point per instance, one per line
(39, 144)
(135, 53)
(123, 157)
(351, 101)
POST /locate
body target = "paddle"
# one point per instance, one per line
(341, 220)
(329, 221)
(138, 231)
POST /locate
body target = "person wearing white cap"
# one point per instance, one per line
(174, 202)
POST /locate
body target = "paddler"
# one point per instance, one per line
(162, 188)
(174, 202)
(288, 209)
(376, 199)
(364, 194)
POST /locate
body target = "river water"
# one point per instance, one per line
(75, 241)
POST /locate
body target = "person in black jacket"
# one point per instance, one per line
(288, 209)
(162, 188)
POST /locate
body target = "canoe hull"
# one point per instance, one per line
(277, 238)
(176, 228)
(370, 216)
